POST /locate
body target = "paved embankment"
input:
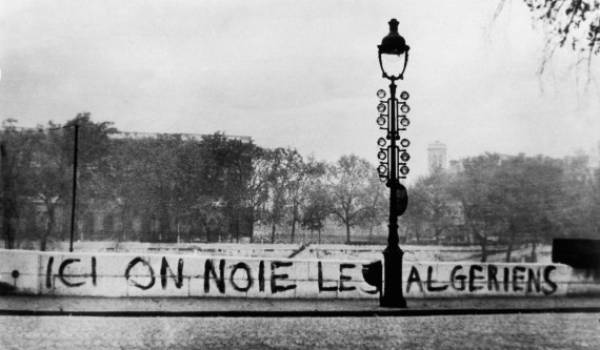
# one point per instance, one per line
(514, 331)
(34, 322)
(272, 307)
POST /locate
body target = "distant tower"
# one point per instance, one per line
(436, 155)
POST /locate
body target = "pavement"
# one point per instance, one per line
(464, 332)
(33, 322)
(243, 307)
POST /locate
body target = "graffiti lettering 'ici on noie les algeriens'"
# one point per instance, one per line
(277, 276)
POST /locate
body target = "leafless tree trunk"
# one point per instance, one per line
(319, 238)
(9, 202)
(49, 225)
(294, 219)
(511, 240)
(273, 233)
(533, 256)
(347, 233)
(482, 242)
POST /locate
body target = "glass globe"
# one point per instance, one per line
(405, 156)
(393, 53)
(393, 64)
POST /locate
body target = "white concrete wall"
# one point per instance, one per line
(468, 279)
(220, 249)
(418, 253)
(127, 274)
(153, 274)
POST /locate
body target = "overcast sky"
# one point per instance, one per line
(296, 73)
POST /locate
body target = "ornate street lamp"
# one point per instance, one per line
(393, 53)
(393, 157)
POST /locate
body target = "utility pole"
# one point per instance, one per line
(74, 191)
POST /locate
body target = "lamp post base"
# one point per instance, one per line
(392, 280)
(398, 303)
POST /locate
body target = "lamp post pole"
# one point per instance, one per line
(74, 186)
(393, 158)
(393, 254)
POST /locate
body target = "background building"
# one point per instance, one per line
(436, 156)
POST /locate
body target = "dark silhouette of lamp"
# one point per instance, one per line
(393, 53)
(393, 157)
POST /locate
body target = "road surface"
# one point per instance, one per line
(507, 331)
(487, 323)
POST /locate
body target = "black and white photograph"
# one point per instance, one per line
(277, 174)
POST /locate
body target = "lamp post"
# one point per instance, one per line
(393, 58)
(74, 187)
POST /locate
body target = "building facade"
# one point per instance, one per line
(437, 157)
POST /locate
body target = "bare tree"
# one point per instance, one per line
(572, 24)
(349, 180)
(282, 175)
